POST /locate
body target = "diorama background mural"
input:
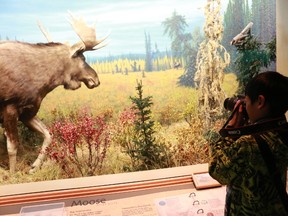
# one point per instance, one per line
(145, 114)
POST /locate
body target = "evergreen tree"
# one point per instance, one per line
(255, 9)
(236, 17)
(155, 55)
(240, 12)
(271, 16)
(147, 153)
(251, 57)
(247, 12)
(148, 58)
(175, 28)
(190, 53)
(239, 15)
(264, 19)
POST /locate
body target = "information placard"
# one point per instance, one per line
(204, 180)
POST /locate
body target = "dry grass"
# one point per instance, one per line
(112, 96)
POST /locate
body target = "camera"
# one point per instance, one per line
(229, 103)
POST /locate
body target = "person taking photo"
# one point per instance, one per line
(251, 157)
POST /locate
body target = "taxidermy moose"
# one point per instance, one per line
(30, 71)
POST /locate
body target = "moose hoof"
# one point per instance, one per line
(32, 170)
(35, 166)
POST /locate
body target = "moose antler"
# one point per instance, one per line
(87, 34)
(238, 39)
(45, 33)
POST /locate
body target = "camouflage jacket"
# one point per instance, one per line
(240, 165)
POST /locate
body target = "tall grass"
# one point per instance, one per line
(114, 92)
(171, 103)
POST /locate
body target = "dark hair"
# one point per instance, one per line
(274, 87)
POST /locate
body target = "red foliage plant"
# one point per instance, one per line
(79, 144)
(123, 130)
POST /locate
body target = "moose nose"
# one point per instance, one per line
(91, 83)
(97, 83)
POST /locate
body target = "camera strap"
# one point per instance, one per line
(273, 124)
(279, 124)
(274, 173)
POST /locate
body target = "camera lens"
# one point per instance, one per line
(229, 103)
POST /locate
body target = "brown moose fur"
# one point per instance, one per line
(28, 73)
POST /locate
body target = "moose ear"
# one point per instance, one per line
(76, 49)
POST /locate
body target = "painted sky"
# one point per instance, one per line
(126, 19)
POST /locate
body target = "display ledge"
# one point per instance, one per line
(64, 190)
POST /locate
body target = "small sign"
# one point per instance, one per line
(203, 180)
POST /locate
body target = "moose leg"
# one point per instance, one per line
(10, 118)
(36, 124)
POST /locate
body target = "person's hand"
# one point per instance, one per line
(238, 118)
